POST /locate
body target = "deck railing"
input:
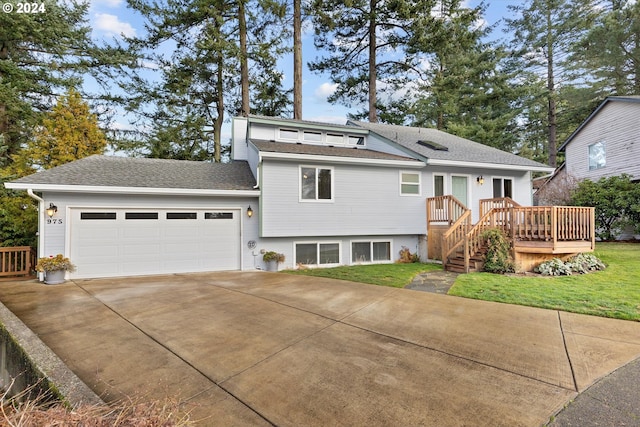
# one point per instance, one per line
(17, 261)
(444, 209)
(496, 203)
(554, 225)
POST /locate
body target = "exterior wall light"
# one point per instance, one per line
(249, 211)
(480, 180)
(52, 209)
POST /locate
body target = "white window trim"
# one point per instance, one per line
(318, 243)
(419, 184)
(371, 242)
(316, 200)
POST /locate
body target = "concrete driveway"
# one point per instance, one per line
(256, 348)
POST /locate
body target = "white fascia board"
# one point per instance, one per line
(476, 165)
(309, 125)
(344, 160)
(132, 190)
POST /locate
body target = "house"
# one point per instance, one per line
(321, 194)
(606, 144)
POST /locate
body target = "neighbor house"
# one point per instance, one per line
(606, 144)
(321, 194)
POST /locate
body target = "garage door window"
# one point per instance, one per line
(182, 215)
(97, 215)
(141, 215)
(218, 215)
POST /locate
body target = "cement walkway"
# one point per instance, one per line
(257, 348)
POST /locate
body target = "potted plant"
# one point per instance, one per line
(54, 268)
(272, 259)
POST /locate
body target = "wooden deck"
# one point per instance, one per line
(537, 233)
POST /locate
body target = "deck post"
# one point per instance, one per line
(554, 226)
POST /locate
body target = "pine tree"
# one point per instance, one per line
(69, 132)
(361, 37)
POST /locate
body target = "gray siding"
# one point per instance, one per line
(366, 201)
(617, 124)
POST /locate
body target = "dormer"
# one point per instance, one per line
(305, 132)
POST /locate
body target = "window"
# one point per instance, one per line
(182, 215)
(356, 140)
(288, 134)
(317, 253)
(97, 215)
(334, 138)
(312, 136)
(218, 215)
(316, 184)
(597, 156)
(410, 183)
(141, 215)
(363, 252)
(502, 187)
(438, 185)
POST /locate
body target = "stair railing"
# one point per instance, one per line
(455, 237)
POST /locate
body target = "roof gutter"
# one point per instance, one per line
(133, 190)
(40, 226)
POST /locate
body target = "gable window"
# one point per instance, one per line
(410, 183)
(289, 134)
(502, 187)
(317, 253)
(597, 156)
(370, 251)
(316, 183)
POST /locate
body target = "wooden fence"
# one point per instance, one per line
(17, 261)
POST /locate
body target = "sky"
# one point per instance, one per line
(110, 19)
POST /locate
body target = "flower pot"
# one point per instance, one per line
(272, 265)
(54, 277)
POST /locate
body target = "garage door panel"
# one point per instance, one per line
(133, 244)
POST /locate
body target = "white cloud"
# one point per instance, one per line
(111, 25)
(338, 120)
(325, 90)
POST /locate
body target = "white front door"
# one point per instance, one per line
(460, 188)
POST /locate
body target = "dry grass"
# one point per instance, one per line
(40, 411)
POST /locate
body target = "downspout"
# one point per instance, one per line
(40, 226)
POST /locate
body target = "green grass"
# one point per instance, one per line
(613, 292)
(394, 275)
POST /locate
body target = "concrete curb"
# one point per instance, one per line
(75, 392)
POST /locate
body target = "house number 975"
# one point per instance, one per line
(54, 221)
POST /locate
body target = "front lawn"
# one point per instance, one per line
(613, 292)
(394, 275)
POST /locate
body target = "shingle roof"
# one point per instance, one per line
(109, 171)
(447, 147)
(323, 150)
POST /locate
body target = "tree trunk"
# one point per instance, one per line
(373, 115)
(297, 60)
(217, 123)
(551, 95)
(244, 68)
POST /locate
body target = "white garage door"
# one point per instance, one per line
(125, 242)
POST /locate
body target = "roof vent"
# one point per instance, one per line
(433, 145)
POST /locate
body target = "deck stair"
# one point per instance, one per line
(536, 233)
